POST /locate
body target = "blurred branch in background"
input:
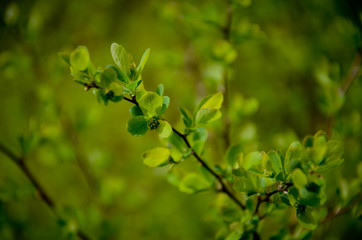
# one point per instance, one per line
(20, 162)
(352, 74)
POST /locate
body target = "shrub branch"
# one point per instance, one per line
(20, 162)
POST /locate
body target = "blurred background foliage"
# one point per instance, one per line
(293, 64)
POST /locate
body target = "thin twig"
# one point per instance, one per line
(267, 197)
(226, 30)
(224, 188)
(19, 161)
(345, 86)
(340, 212)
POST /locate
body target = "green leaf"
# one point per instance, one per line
(156, 157)
(214, 102)
(135, 110)
(134, 85)
(333, 156)
(251, 160)
(277, 164)
(193, 183)
(107, 77)
(306, 219)
(293, 157)
(246, 182)
(186, 118)
(299, 178)
(79, 58)
(164, 129)
(120, 57)
(116, 88)
(319, 147)
(266, 165)
(142, 64)
(207, 115)
(101, 97)
(165, 104)
(178, 143)
(232, 154)
(159, 90)
(65, 56)
(197, 139)
(137, 126)
(150, 103)
(120, 74)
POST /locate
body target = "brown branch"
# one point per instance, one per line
(345, 86)
(352, 74)
(226, 30)
(224, 188)
(267, 197)
(341, 212)
(70, 131)
(19, 161)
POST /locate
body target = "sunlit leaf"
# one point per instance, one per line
(79, 58)
(150, 103)
(120, 57)
(142, 63)
(156, 157)
(137, 126)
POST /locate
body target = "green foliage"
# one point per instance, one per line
(208, 109)
(137, 126)
(193, 183)
(268, 80)
(121, 58)
(156, 157)
(150, 104)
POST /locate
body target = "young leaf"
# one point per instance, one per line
(107, 77)
(293, 157)
(150, 103)
(197, 139)
(178, 143)
(65, 56)
(305, 218)
(135, 110)
(214, 102)
(137, 126)
(232, 154)
(142, 64)
(276, 161)
(134, 85)
(165, 104)
(120, 57)
(193, 183)
(245, 182)
(333, 156)
(116, 88)
(164, 129)
(186, 118)
(120, 74)
(79, 58)
(207, 115)
(319, 147)
(299, 178)
(251, 160)
(101, 97)
(211, 101)
(159, 90)
(156, 157)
